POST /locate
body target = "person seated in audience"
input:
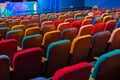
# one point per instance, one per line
(96, 11)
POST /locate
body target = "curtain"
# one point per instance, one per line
(45, 6)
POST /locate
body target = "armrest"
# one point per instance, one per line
(43, 59)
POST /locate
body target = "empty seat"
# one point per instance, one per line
(99, 44)
(47, 28)
(4, 67)
(63, 26)
(97, 20)
(80, 49)
(86, 22)
(69, 33)
(114, 40)
(71, 72)
(3, 31)
(32, 30)
(3, 24)
(57, 22)
(85, 30)
(107, 18)
(27, 64)
(57, 56)
(107, 67)
(46, 23)
(110, 25)
(32, 41)
(8, 47)
(35, 20)
(22, 27)
(32, 25)
(50, 37)
(70, 20)
(76, 24)
(25, 22)
(118, 24)
(15, 34)
(98, 27)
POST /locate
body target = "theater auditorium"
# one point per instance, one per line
(59, 39)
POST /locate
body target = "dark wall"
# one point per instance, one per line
(74, 3)
(103, 3)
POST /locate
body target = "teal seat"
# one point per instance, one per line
(107, 66)
(57, 56)
(32, 41)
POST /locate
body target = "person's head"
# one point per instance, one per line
(95, 8)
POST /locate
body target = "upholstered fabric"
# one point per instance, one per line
(98, 27)
(107, 18)
(86, 22)
(15, 34)
(118, 24)
(114, 40)
(85, 30)
(110, 25)
(57, 56)
(78, 71)
(32, 30)
(32, 41)
(63, 26)
(3, 31)
(97, 20)
(80, 48)
(57, 22)
(16, 27)
(76, 24)
(32, 25)
(103, 65)
(99, 43)
(69, 33)
(4, 67)
(8, 47)
(27, 63)
(25, 22)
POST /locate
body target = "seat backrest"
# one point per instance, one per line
(25, 22)
(32, 30)
(97, 20)
(98, 27)
(86, 22)
(47, 28)
(69, 33)
(80, 49)
(15, 34)
(107, 18)
(114, 40)
(3, 31)
(71, 72)
(99, 44)
(3, 24)
(57, 22)
(8, 47)
(118, 24)
(85, 30)
(70, 20)
(46, 23)
(32, 25)
(4, 67)
(32, 41)
(27, 64)
(107, 66)
(16, 27)
(50, 37)
(57, 56)
(76, 24)
(63, 26)
(35, 20)
(110, 25)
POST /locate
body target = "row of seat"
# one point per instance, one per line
(106, 67)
